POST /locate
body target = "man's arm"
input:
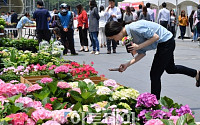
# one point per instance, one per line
(70, 22)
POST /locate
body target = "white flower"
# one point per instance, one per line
(102, 90)
(88, 81)
(73, 84)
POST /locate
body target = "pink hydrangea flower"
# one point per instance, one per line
(41, 113)
(46, 80)
(51, 123)
(174, 118)
(34, 88)
(53, 98)
(52, 67)
(154, 122)
(111, 83)
(24, 100)
(30, 122)
(63, 69)
(8, 89)
(63, 85)
(59, 115)
(34, 104)
(14, 81)
(21, 88)
(18, 119)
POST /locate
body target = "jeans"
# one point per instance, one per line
(164, 61)
(114, 44)
(183, 29)
(95, 41)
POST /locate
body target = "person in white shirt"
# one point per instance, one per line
(164, 16)
(150, 12)
(3, 15)
(128, 15)
(8, 18)
(102, 23)
(196, 23)
(135, 17)
(113, 13)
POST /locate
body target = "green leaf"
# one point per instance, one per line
(83, 86)
(3, 123)
(167, 102)
(76, 95)
(86, 95)
(78, 107)
(42, 94)
(148, 116)
(167, 122)
(13, 56)
(14, 108)
(46, 100)
(30, 110)
(58, 106)
(53, 86)
(182, 120)
(61, 75)
(13, 98)
(20, 105)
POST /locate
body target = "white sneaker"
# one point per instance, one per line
(97, 53)
(92, 52)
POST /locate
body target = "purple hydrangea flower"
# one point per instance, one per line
(184, 110)
(147, 100)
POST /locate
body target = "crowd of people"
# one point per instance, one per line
(94, 23)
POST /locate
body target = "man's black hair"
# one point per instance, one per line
(40, 3)
(164, 5)
(111, 0)
(148, 5)
(140, 6)
(113, 28)
(198, 6)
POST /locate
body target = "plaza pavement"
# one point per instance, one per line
(180, 88)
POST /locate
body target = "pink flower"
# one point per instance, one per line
(63, 85)
(34, 104)
(51, 123)
(63, 69)
(40, 113)
(14, 81)
(154, 122)
(34, 88)
(59, 115)
(111, 83)
(52, 67)
(48, 106)
(24, 100)
(174, 118)
(30, 122)
(18, 119)
(21, 88)
(52, 99)
(46, 80)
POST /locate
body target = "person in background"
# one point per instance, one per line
(150, 11)
(128, 16)
(82, 27)
(54, 11)
(8, 18)
(14, 20)
(144, 15)
(102, 23)
(112, 13)
(135, 17)
(22, 22)
(139, 11)
(172, 22)
(3, 15)
(196, 18)
(191, 21)
(94, 26)
(56, 31)
(65, 23)
(42, 16)
(121, 19)
(164, 16)
(149, 36)
(183, 22)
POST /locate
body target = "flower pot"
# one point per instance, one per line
(31, 79)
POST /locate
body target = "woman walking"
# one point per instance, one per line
(183, 22)
(172, 22)
(82, 27)
(128, 16)
(144, 15)
(148, 36)
(102, 23)
(94, 26)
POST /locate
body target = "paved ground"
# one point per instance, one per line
(180, 88)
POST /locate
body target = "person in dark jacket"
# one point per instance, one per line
(65, 23)
(15, 21)
(42, 16)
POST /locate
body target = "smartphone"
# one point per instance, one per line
(127, 45)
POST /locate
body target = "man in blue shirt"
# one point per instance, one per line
(42, 16)
(164, 16)
(148, 36)
(65, 23)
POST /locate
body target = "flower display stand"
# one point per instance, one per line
(95, 79)
(31, 79)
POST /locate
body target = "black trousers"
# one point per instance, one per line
(114, 44)
(43, 35)
(83, 36)
(183, 30)
(164, 23)
(172, 30)
(67, 39)
(164, 61)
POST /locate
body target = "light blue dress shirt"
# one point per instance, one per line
(142, 30)
(23, 21)
(164, 15)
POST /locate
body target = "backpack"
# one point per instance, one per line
(198, 14)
